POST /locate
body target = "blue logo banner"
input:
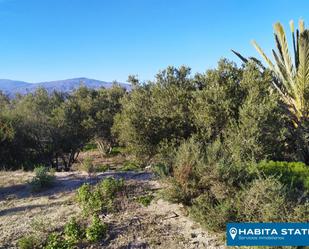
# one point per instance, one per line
(267, 234)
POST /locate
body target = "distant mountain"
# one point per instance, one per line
(11, 87)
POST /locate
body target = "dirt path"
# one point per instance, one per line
(160, 225)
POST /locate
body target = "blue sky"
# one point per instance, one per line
(42, 40)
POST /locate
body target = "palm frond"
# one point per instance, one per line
(303, 71)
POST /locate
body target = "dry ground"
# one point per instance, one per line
(160, 225)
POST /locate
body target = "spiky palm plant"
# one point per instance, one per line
(291, 78)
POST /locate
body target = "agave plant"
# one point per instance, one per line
(291, 73)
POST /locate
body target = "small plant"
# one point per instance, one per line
(73, 231)
(89, 147)
(87, 165)
(161, 170)
(28, 242)
(96, 231)
(294, 174)
(102, 168)
(145, 200)
(56, 241)
(99, 198)
(43, 179)
(129, 166)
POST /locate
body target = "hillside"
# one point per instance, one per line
(12, 87)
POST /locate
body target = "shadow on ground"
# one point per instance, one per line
(67, 182)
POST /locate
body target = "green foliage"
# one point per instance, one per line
(161, 170)
(87, 165)
(56, 241)
(156, 111)
(51, 129)
(44, 178)
(99, 198)
(264, 200)
(89, 147)
(97, 230)
(129, 166)
(28, 242)
(293, 174)
(218, 100)
(73, 231)
(187, 169)
(102, 168)
(145, 200)
(212, 215)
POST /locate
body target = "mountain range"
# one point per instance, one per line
(12, 87)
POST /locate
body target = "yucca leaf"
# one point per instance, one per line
(245, 60)
(280, 33)
(301, 25)
(303, 70)
(294, 44)
(261, 52)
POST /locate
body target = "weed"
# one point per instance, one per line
(28, 242)
(73, 231)
(43, 179)
(102, 168)
(96, 231)
(56, 241)
(99, 198)
(130, 166)
(145, 200)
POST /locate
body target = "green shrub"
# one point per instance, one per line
(73, 231)
(264, 200)
(56, 241)
(89, 199)
(28, 242)
(89, 147)
(130, 166)
(300, 213)
(292, 174)
(188, 168)
(161, 170)
(87, 165)
(102, 168)
(99, 198)
(96, 231)
(145, 200)
(43, 178)
(212, 214)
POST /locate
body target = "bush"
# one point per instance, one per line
(161, 170)
(300, 213)
(102, 168)
(145, 200)
(28, 242)
(43, 179)
(292, 174)
(130, 166)
(156, 111)
(96, 231)
(188, 168)
(89, 147)
(211, 214)
(56, 241)
(264, 200)
(73, 231)
(87, 165)
(99, 198)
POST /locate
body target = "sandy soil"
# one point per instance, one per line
(160, 225)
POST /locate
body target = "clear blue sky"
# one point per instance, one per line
(45, 40)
